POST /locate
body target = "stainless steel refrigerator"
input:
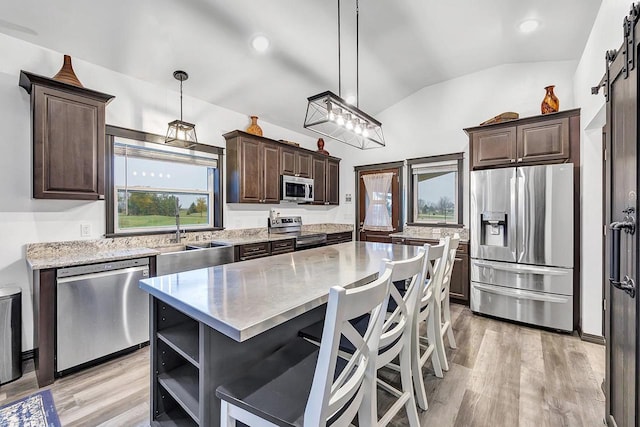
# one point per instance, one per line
(522, 244)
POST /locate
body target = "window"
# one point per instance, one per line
(153, 183)
(435, 190)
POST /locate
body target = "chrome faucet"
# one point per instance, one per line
(179, 234)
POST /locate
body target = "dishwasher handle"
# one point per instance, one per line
(143, 269)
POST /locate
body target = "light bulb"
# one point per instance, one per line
(349, 125)
(357, 129)
(332, 116)
(340, 120)
(365, 132)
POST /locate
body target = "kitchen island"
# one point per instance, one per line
(209, 325)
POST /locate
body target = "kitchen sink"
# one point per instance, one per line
(192, 256)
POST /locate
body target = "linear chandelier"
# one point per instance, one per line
(330, 115)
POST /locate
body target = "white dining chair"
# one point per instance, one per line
(396, 339)
(302, 384)
(428, 348)
(446, 327)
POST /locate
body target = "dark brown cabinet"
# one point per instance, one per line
(540, 139)
(326, 180)
(319, 179)
(262, 249)
(254, 165)
(253, 172)
(68, 139)
(459, 289)
(340, 237)
(295, 162)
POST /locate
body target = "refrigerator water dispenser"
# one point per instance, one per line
(493, 229)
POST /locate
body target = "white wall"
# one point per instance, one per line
(138, 105)
(606, 34)
(431, 121)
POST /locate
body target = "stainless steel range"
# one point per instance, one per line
(291, 226)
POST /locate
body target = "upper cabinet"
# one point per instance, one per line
(254, 165)
(295, 162)
(68, 131)
(539, 139)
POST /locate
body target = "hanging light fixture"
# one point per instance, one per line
(180, 130)
(332, 116)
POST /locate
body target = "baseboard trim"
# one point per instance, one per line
(596, 339)
(29, 354)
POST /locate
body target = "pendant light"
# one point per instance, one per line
(330, 115)
(180, 130)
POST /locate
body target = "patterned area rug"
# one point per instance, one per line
(36, 410)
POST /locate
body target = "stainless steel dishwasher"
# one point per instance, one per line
(100, 311)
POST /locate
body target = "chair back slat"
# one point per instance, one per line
(454, 242)
(327, 395)
(436, 257)
(411, 272)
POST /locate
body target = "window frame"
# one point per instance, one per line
(459, 158)
(113, 132)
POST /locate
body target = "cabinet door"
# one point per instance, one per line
(270, 173)
(333, 182)
(459, 288)
(251, 176)
(543, 141)
(304, 165)
(68, 145)
(493, 147)
(287, 161)
(319, 179)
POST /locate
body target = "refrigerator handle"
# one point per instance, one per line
(520, 294)
(513, 220)
(523, 217)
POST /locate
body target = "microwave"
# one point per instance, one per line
(296, 189)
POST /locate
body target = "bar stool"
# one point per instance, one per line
(396, 338)
(303, 385)
(425, 348)
(443, 301)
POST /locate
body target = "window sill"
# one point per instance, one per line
(434, 225)
(157, 232)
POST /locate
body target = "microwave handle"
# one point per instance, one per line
(309, 195)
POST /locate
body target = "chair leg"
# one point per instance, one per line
(447, 318)
(368, 411)
(432, 334)
(407, 384)
(225, 419)
(436, 317)
(416, 368)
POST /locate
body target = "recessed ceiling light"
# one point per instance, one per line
(260, 43)
(351, 99)
(529, 25)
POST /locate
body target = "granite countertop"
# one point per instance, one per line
(431, 233)
(242, 300)
(78, 252)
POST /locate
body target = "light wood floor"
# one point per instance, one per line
(500, 375)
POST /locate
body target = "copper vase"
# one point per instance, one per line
(253, 127)
(66, 74)
(550, 103)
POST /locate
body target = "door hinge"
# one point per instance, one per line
(604, 304)
(604, 230)
(605, 155)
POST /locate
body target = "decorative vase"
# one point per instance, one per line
(66, 74)
(321, 149)
(550, 103)
(253, 127)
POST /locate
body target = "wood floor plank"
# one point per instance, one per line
(501, 375)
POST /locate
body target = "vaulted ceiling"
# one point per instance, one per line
(404, 45)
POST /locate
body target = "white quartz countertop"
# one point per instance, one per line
(244, 299)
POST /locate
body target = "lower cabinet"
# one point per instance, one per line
(262, 249)
(459, 289)
(175, 370)
(341, 237)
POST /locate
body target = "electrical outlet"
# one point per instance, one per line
(85, 230)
